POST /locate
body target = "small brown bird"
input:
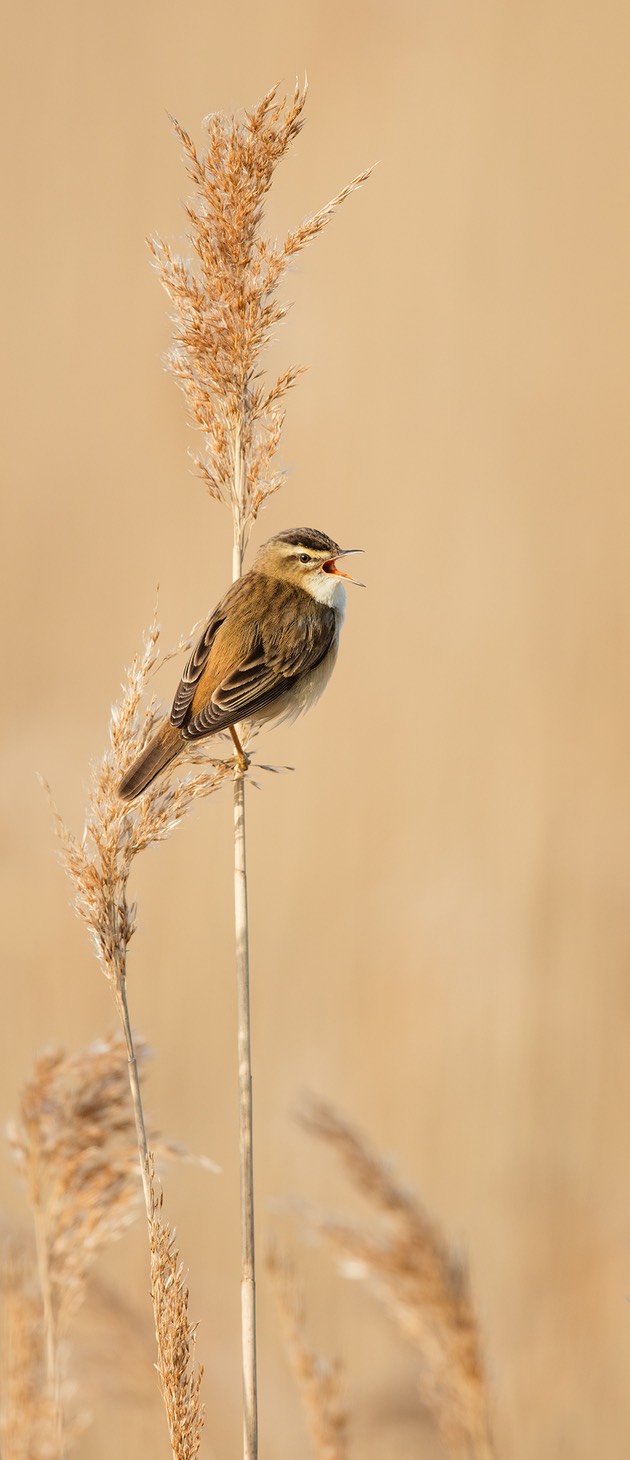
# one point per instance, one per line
(266, 653)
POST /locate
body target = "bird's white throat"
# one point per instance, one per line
(328, 589)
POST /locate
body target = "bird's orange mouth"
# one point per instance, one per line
(331, 567)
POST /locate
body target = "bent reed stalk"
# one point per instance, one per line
(99, 865)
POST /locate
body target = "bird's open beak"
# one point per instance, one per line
(331, 566)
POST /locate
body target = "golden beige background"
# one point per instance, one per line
(439, 895)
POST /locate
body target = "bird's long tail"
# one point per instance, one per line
(161, 750)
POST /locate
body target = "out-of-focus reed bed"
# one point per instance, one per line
(406, 1261)
(74, 1144)
(319, 1380)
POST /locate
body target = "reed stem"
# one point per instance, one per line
(241, 924)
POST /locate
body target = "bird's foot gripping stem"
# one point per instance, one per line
(242, 759)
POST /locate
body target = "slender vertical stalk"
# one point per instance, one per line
(136, 1096)
(241, 923)
(248, 1274)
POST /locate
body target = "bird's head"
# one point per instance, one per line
(307, 558)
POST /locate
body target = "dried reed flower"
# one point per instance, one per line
(28, 1420)
(319, 1381)
(423, 1283)
(175, 1336)
(225, 305)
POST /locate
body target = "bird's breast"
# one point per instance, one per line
(306, 692)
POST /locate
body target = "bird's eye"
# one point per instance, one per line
(305, 558)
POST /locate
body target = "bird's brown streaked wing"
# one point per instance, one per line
(266, 674)
(199, 657)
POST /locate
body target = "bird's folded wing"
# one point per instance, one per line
(199, 657)
(270, 669)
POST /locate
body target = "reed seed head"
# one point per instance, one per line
(180, 1381)
(99, 862)
(225, 301)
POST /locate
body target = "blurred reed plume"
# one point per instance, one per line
(74, 1144)
(319, 1381)
(180, 1383)
(75, 1147)
(423, 1284)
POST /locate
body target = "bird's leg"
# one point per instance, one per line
(242, 759)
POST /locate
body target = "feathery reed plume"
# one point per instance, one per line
(29, 1423)
(116, 831)
(175, 1337)
(422, 1282)
(225, 307)
(319, 1380)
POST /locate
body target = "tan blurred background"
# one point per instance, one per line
(439, 902)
